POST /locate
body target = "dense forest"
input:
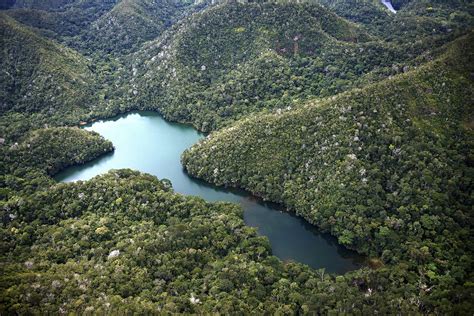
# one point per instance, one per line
(389, 164)
(358, 119)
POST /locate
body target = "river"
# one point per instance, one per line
(146, 142)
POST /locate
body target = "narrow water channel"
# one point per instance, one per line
(146, 142)
(389, 5)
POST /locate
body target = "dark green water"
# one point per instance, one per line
(146, 142)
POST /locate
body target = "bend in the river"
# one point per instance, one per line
(146, 142)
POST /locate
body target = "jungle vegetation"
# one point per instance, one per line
(355, 118)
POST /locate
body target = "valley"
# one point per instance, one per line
(234, 157)
(155, 147)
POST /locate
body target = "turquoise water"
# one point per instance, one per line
(146, 142)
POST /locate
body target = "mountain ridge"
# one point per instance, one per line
(257, 138)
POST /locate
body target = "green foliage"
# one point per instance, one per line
(39, 75)
(234, 59)
(130, 23)
(63, 22)
(383, 168)
(211, 68)
(415, 19)
(46, 81)
(54, 149)
(218, 65)
(42, 5)
(24, 166)
(73, 248)
(94, 26)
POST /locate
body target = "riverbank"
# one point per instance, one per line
(146, 142)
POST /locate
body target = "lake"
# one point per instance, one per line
(146, 142)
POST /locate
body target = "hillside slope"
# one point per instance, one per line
(225, 61)
(387, 169)
(230, 60)
(41, 76)
(123, 242)
(414, 20)
(61, 22)
(96, 26)
(26, 167)
(41, 5)
(132, 22)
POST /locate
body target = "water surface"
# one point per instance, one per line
(146, 142)
(389, 5)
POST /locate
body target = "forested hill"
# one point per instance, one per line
(115, 27)
(234, 59)
(415, 19)
(203, 72)
(40, 75)
(358, 119)
(131, 23)
(386, 168)
(208, 68)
